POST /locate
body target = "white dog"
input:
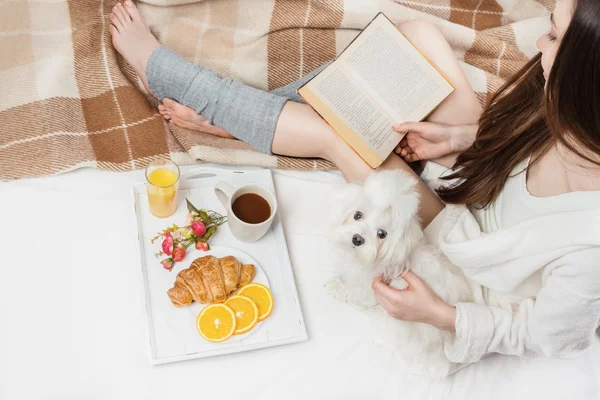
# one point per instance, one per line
(377, 226)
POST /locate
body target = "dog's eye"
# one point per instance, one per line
(381, 234)
(358, 215)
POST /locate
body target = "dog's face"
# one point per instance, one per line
(376, 222)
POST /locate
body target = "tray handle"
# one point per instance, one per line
(203, 172)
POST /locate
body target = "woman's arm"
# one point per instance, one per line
(559, 323)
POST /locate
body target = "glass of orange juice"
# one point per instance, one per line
(162, 185)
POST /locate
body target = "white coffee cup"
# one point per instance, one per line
(245, 231)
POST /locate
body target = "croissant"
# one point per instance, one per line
(210, 280)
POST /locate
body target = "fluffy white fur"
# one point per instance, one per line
(388, 201)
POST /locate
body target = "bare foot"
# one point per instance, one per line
(132, 37)
(187, 118)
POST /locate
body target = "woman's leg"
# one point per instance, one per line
(244, 112)
(187, 117)
(461, 107)
(298, 130)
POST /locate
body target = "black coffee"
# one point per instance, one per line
(251, 208)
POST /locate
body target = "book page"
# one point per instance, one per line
(399, 84)
(384, 63)
(357, 109)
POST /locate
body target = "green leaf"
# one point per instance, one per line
(191, 207)
(204, 217)
(209, 232)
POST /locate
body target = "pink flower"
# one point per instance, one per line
(203, 246)
(167, 264)
(167, 244)
(189, 219)
(178, 253)
(199, 228)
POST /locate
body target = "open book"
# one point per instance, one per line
(378, 81)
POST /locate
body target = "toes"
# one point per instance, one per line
(164, 111)
(183, 112)
(116, 21)
(113, 30)
(117, 14)
(132, 10)
(123, 13)
(169, 103)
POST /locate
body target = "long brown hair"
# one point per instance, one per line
(523, 120)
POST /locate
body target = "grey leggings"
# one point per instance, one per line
(247, 113)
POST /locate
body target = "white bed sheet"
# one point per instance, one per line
(72, 324)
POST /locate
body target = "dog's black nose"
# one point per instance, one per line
(358, 240)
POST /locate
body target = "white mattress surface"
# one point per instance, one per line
(72, 323)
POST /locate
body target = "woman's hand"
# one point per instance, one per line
(430, 141)
(416, 303)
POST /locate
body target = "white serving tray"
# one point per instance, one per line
(172, 334)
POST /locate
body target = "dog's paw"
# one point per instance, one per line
(335, 288)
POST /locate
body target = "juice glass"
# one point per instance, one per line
(162, 178)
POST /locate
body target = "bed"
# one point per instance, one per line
(72, 324)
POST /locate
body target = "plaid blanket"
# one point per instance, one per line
(70, 101)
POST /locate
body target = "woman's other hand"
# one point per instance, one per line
(417, 303)
(430, 141)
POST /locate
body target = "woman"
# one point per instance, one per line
(529, 172)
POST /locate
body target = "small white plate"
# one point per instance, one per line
(179, 322)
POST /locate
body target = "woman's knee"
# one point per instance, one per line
(431, 42)
(419, 29)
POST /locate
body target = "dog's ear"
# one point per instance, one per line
(346, 198)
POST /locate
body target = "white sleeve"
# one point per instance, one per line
(560, 323)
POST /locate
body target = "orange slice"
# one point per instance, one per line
(261, 295)
(246, 313)
(216, 322)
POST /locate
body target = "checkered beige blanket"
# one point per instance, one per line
(69, 101)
